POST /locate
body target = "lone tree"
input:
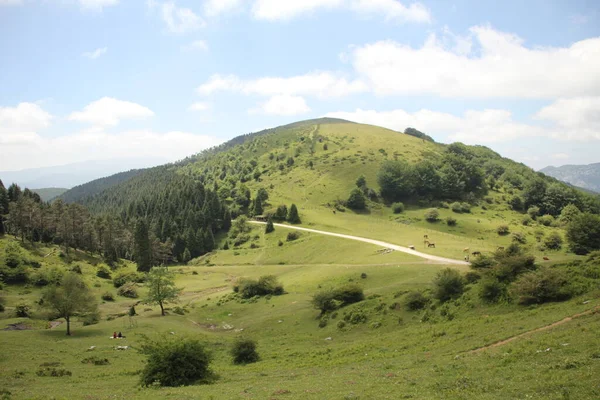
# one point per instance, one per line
(71, 298)
(161, 288)
(269, 227)
(293, 216)
(357, 200)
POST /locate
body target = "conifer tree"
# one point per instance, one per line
(209, 241)
(143, 250)
(293, 216)
(258, 208)
(269, 227)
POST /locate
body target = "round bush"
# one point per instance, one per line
(128, 290)
(415, 301)
(503, 230)
(108, 296)
(398, 207)
(554, 241)
(103, 273)
(432, 215)
(176, 363)
(491, 290)
(448, 284)
(451, 221)
(541, 286)
(546, 220)
(244, 352)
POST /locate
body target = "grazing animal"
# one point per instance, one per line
(546, 259)
(466, 250)
(431, 245)
(500, 248)
(412, 247)
(476, 253)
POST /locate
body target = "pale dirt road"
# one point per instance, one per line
(437, 259)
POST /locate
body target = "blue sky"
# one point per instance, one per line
(99, 79)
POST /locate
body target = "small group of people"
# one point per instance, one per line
(118, 335)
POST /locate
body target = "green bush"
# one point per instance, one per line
(244, 351)
(432, 215)
(526, 220)
(329, 300)
(22, 311)
(483, 261)
(356, 200)
(128, 277)
(519, 237)
(76, 268)
(451, 221)
(128, 290)
(175, 362)
(503, 230)
(108, 296)
(472, 277)
(291, 236)
(91, 318)
(47, 277)
(541, 286)
(16, 275)
(554, 241)
(460, 207)
(448, 284)
(415, 301)
(265, 285)
(533, 212)
(103, 273)
(491, 290)
(546, 220)
(398, 207)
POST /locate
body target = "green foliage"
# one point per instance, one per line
(186, 255)
(103, 273)
(583, 233)
(491, 290)
(281, 213)
(546, 220)
(568, 214)
(124, 277)
(526, 220)
(244, 351)
(356, 200)
(519, 237)
(415, 301)
(541, 286)
(131, 311)
(448, 284)
(432, 215)
(161, 288)
(451, 221)
(175, 362)
(516, 203)
(396, 180)
(418, 134)
(269, 226)
(361, 183)
(472, 277)
(291, 236)
(292, 216)
(397, 207)
(554, 241)
(331, 299)
(142, 249)
(128, 290)
(107, 296)
(533, 212)
(22, 311)
(72, 297)
(503, 230)
(264, 286)
(460, 207)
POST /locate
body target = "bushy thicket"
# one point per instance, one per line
(543, 285)
(244, 351)
(448, 284)
(265, 285)
(175, 362)
(415, 301)
(332, 299)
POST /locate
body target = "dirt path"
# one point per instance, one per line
(540, 329)
(430, 257)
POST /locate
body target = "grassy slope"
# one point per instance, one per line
(404, 357)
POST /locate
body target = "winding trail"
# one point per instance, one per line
(437, 259)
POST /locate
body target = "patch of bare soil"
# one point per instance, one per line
(543, 328)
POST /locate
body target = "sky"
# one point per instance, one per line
(104, 79)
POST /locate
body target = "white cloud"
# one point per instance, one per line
(499, 65)
(578, 118)
(560, 156)
(272, 10)
(108, 111)
(199, 106)
(179, 19)
(97, 5)
(31, 150)
(282, 105)
(96, 53)
(25, 117)
(216, 7)
(196, 45)
(321, 84)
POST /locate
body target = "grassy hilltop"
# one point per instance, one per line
(518, 323)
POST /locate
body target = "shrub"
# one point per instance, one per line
(526, 220)
(244, 351)
(503, 230)
(22, 311)
(356, 200)
(541, 286)
(44, 278)
(491, 290)
(127, 277)
(108, 296)
(14, 275)
(554, 241)
(53, 372)
(451, 221)
(516, 203)
(415, 301)
(95, 361)
(175, 362)
(128, 290)
(460, 207)
(539, 234)
(91, 318)
(265, 285)
(103, 273)
(546, 220)
(472, 277)
(131, 311)
(77, 269)
(363, 275)
(448, 284)
(519, 237)
(398, 207)
(432, 215)
(291, 236)
(533, 212)
(279, 243)
(329, 300)
(348, 294)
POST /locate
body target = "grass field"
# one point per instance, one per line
(394, 354)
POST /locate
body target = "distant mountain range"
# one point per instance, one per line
(583, 176)
(70, 175)
(48, 194)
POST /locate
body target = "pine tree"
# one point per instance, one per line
(186, 255)
(226, 225)
(209, 241)
(258, 208)
(143, 250)
(269, 227)
(293, 216)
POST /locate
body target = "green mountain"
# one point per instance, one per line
(583, 176)
(96, 186)
(48, 194)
